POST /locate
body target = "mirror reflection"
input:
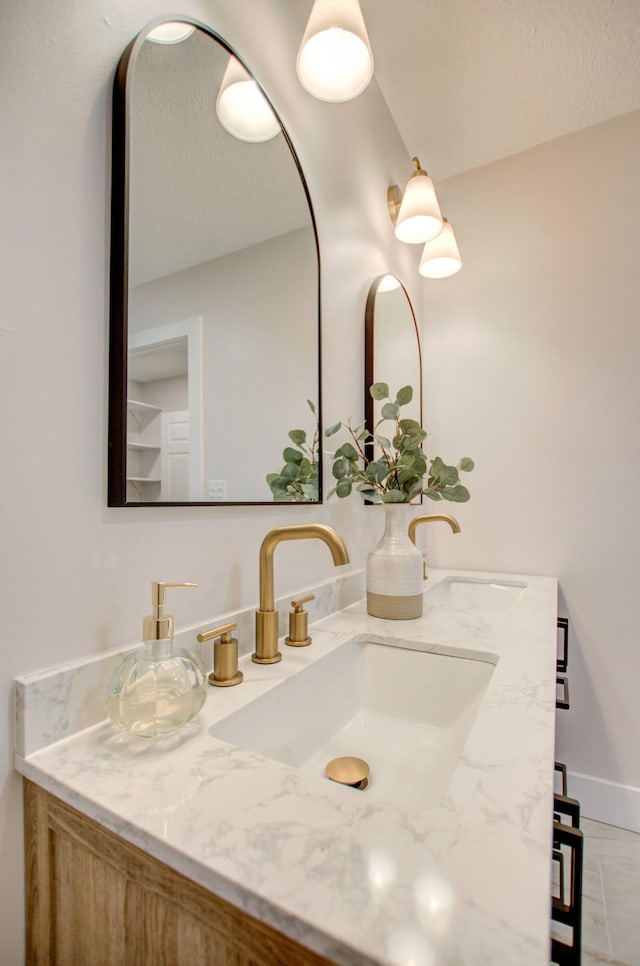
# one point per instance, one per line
(214, 282)
(392, 347)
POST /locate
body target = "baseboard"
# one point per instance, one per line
(606, 801)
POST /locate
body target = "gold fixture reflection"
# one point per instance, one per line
(349, 771)
(430, 518)
(299, 623)
(225, 655)
(266, 651)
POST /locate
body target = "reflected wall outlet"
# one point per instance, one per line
(217, 490)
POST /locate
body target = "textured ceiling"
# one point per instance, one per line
(467, 81)
(472, 81)
(196, 192)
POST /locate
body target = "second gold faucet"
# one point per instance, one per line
(266, 651)
(431, 518)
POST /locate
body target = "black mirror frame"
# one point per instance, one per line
(369, 358)
(119, 272)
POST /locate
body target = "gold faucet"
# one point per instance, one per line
(266, 651)
(429, 518)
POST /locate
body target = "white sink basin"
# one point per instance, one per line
(475, 592)
(405, 710)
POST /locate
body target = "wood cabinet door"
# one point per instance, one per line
(95, 900)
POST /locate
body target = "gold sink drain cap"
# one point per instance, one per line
(349, 771)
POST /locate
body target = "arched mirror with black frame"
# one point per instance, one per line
(392, 352)
(214, 371)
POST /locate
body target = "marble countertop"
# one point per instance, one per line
(356, 879)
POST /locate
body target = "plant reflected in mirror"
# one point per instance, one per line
(297, 481)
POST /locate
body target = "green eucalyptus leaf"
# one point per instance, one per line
(343, 488)
(290, 471)
(389, 411)
(394, 496)
(333, 429)
(419, 462)
(366, 489)
(379, 390)
(405, 395)
(305, 469)
(291, 455)
(414, 489)
(340, 468)
(382, 441)
(406, 471)
(443, 474)
(311, 406)
(376, 471)
(348, 451)
(410, 426)
(457, 494)
(310, 492)
(297, 436)
(411, 443)
(432, 494)
(278, 486)
(466, 464)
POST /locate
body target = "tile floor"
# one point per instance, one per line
(611, 895)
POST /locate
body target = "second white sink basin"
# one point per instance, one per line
(405, 709)
(475, 592)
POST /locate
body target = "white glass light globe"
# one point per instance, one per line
(245, 112)
(388, 283)
(441, 257)
(419, 218)
(171, 32)
(335, 65)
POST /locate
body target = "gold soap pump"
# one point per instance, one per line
(158, 689)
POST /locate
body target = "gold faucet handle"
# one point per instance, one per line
(225, 655)
(298, 604)
(223, 632)
(299, 623)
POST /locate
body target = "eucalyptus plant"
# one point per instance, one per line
(393, 469)
(297, 481)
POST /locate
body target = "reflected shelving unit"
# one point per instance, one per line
(143, 451)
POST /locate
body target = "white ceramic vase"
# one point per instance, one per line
(394, 569)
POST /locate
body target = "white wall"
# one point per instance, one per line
(531, 357)
(75, 575)
(259, 310)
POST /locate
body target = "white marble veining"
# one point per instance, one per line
(357, 879)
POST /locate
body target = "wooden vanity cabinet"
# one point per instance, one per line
(93, 898)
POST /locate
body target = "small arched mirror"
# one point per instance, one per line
(215, 326)
(392, 347)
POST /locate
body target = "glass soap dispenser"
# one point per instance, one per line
(157, 689)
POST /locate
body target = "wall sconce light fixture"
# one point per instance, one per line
(171, 32)
(242, 108)
(416, 214)
(441, 256)
(335, 61)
